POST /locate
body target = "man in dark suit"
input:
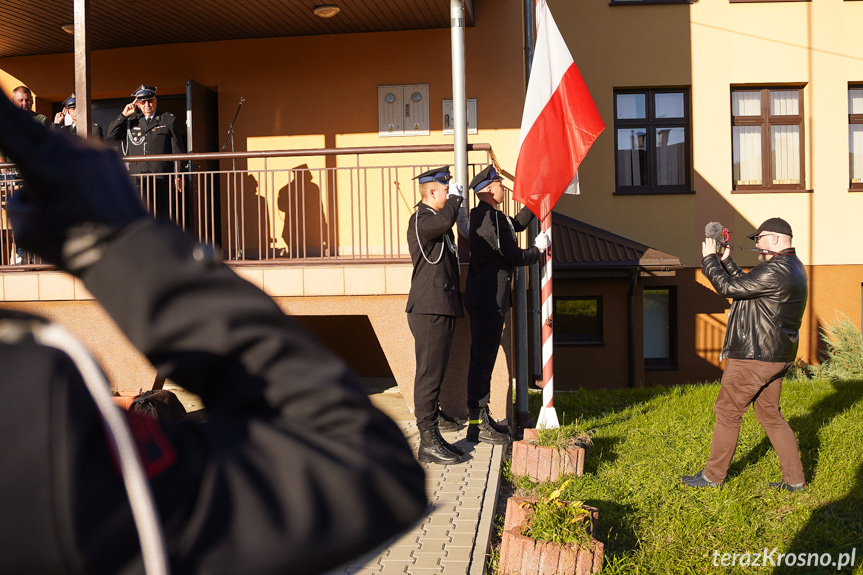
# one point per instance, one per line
(70, 109)
(494, 254)
(434, 303)
(147, 131)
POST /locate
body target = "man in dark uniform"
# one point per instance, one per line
(294, 470)
(434, 303)
(70, 109)
(494, 254)
(146, 131)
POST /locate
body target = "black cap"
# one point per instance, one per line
(776, 225)
(436, 175)
(484, 178)
(69, 102)
(143, 92)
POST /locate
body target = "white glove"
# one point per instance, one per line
(454, 190)
(542, 241)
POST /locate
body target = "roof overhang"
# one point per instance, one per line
(31, 28)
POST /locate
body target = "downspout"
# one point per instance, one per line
(633, 281)
(520, 309)
(459, 110)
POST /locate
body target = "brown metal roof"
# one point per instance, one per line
(580, 246)
(32, 27)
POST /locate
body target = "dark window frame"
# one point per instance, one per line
(671, 362)
(854, 119)
(597, 339)
(766, 121)
(651, 123)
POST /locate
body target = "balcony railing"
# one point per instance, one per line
(285, 206)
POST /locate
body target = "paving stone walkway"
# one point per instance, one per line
(453, 536)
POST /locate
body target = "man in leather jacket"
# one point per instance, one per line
(760, 345)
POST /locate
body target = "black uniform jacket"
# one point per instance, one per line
(73, 129)
(141, 138)
(294, 470)
(494, 254)
(434, 286)
(767, 307)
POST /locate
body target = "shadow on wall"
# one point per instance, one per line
(305, 222)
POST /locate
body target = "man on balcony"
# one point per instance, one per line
(147, 131)
(434, 303)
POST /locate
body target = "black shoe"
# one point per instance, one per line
(782, 486)
(480, 428)
(431, 449)
(698, 480)
(447, 422)
(454, 448)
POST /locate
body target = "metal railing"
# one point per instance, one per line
(282, 206)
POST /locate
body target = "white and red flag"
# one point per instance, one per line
(559, 124)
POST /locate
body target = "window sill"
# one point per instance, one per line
(650, 2)
(559, 342)
(855, 190)
(652, 192)
(774, 191)
(660, 365)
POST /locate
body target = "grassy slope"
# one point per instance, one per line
(645, 440)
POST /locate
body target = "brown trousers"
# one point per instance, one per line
(759, 383)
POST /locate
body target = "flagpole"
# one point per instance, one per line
(547, 414)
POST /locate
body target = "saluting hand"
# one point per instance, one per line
(130, 108)
(58, 117)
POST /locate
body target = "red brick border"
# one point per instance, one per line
(546, 463)
(521, 555)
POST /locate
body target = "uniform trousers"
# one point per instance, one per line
(486, 328)
(432, 341)
(745, 382)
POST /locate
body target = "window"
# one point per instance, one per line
(660, 328)
(767, 139)
(855, 135)
(578, 320)
(651, 134)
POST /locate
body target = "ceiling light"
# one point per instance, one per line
(68, 28)
(327, 10)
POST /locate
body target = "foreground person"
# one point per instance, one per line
(294, 471)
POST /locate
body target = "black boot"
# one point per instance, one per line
(431, 449)
(454, 448)
(446, 421)
(480, 428)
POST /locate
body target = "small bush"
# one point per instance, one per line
(844, 355)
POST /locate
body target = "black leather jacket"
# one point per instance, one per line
(769, 301)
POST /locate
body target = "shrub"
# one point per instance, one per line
(844, 354)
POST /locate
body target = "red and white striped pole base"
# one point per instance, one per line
(547, 415)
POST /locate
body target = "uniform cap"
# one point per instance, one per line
(777, 225)
(143, 92)
(436, 175)
(484, 178)
(69, 102)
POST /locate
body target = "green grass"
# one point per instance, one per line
(644, 440)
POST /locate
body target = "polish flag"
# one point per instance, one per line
(559, 124)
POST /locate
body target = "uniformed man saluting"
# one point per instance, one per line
(434, 304)
(494, 254)
(147, 131)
